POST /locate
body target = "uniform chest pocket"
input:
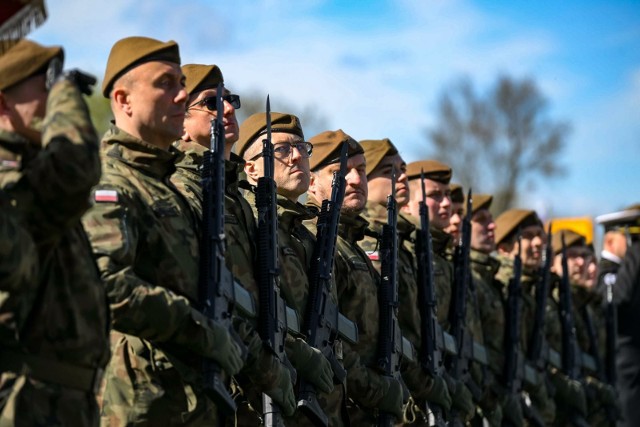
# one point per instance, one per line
(165, 209)
(357, 264)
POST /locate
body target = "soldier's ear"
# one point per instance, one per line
(121, 100)
(251, 170)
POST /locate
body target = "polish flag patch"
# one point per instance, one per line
(106, 196)
(373, 255)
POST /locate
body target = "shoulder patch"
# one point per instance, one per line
(373, 255)
(106, 196)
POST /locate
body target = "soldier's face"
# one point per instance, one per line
(379, 181)
(457, 212)
(355, 195)
(438, 202)
(291, 173)
(157, 102)
(483, 231)
(197, 122)
(26, 105)
(533, 240)
(579, 257)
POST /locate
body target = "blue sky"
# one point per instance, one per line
(376, 68)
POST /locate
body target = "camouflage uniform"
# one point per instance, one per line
(598, 394)
(414, 376)
(491, 304)
(296, 244)
(442, 271)
(18, 273)
(261, 370)
(64, 341)
(357, 283)
(142, 232)
(541, 400)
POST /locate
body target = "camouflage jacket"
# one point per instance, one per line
(143, 236)
(50, 187)
(416, 379)
(528, 282)
(18, 273)
(491, 304)
(357, 288)
(296, 244)
(442, 271)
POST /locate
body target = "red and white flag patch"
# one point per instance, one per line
(373, 255)
(106, 196)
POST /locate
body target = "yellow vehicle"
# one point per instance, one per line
(582, 225)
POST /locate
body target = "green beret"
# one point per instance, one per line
(508, 222)
(480, 201)
(375, 150)
(327, 145)
(256, 125)
(457, 195)
(200, 77)
(24, 60)
(571, 238)
(130, 52)
(433, 170)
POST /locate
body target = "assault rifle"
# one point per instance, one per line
(571, 355)
(272, 325)
(458, 366)
(216, 288)
(390, 336)
(539, 354)
(323, 322)
(432, 344)
(513, 362)
(538, 345)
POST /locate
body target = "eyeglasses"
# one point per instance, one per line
(284, 149)
(210, 102)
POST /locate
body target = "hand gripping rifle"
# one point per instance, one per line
(323, 323)
(216, 287)
(571, 357)
(458, 366)
(432, 346)
(272, 325)
(513, 362)
(389, 336)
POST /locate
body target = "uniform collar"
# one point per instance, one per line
(139, 154)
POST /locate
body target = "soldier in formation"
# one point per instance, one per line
(105, 263)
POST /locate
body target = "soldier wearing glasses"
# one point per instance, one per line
(295, 241)
(262, 371)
